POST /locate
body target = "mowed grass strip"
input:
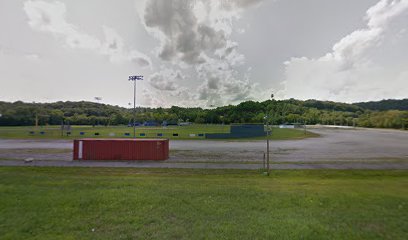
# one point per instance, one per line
(35, 150)
(104, 203)
(54, 132)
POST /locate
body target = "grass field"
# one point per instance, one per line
(94, 203)
(54, 132)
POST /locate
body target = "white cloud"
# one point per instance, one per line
(354, 66)
(182, 37)
(196, 35)
(114, 47)
(165, 80)
(380, 14)
(32, 56)
(50, 17)
(221, 84)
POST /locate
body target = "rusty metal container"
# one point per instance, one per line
(121, 149)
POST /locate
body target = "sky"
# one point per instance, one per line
(203, 53)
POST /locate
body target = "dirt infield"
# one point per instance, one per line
(335, 148)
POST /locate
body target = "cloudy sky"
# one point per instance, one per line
(203, 52)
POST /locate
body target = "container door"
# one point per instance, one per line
(80, 150)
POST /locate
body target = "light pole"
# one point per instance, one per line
(134, 79)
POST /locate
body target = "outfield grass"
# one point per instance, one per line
(95, 203)
(54, 132)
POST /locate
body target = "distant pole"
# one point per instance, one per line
(212, 116)
(304, 127)
(62, 128)
(36, 119)
(134, 79)
(98, 99)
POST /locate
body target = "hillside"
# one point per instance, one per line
(386, 113)
(390, 104)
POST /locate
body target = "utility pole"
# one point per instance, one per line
(267, 147)
(267, 142)
(134, 79)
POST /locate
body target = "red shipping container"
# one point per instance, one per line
(121, 149)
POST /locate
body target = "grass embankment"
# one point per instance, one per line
(94, 203)
(54, 132)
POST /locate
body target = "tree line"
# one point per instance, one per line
(381, 114)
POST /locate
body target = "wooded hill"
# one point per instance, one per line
(383, 114)
(390, 104)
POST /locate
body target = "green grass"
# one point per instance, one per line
(67, 203)
(54, 132)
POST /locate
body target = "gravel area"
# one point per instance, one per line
(335, 148)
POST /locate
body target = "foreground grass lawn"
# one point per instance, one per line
(89, 203)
